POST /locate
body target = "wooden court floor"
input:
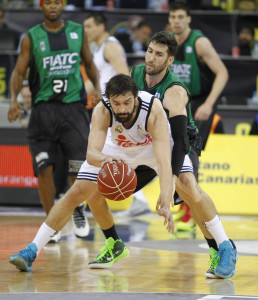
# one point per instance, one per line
(160, 266)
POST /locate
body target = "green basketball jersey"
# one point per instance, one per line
(196, 76)
(138, 74)
(170, 79)
(55, 64)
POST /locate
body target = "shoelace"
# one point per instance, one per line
(79, 217)
(104, 251)
(213, 262)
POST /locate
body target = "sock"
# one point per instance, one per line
(216, 229)
(212, 243)
(111, 232)
(43, 236)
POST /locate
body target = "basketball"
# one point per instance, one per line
(117, 181)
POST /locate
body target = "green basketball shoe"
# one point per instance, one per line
(112, 252)
(214, 260)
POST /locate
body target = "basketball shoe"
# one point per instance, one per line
(81, 227)
(214, 260)
(56, 238)
(24, 258)
(226, 267)
(112, 252)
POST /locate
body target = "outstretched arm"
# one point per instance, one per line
(158, 128)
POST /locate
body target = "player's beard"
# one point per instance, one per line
(157, 70)
(126, 117)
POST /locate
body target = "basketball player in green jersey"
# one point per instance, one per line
(53, 50)
(199, 67)
(155, 78)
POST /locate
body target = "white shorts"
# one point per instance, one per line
(135, 158)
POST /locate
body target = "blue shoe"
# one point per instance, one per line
(24, 258)
(226, 267)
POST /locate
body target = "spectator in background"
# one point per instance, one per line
(2, 23)
(136, 41)
(246, 40)
(9, 38)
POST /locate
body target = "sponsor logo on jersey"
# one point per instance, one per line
(121, 141)
(157, 95)
(119, 129)
(42, 46)
(74, 35)
(189, 49)
(183, 71)
(60, 61)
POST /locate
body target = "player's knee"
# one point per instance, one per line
(190, 187)
(187, 182)
(45, 172)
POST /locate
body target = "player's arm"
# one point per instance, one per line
(99, 125)
(115, 56)
(158, 128)
(17, 79)
(207, 54)
(91, 69)
(175, 101)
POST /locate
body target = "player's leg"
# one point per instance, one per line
(114, 249)
(205, 210)
(74, 140)
(46, 188)
(139, 204)
(43, 150)
(55, 221)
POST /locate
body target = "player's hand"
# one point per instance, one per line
(14, 111)
(163, 211)
(96, 97)
(203, 112)
(111, 159)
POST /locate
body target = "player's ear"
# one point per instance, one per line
(171, 60)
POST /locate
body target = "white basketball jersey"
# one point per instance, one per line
(137, 135)
(133, 144)
(105, 69)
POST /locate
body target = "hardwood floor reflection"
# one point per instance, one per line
(64, 267)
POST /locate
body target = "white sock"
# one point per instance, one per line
(216, 229)
(43, 236)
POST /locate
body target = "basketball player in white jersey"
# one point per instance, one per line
(139, 129)
(110, 59)
(108, 56)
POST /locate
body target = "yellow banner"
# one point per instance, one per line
(229, 173)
